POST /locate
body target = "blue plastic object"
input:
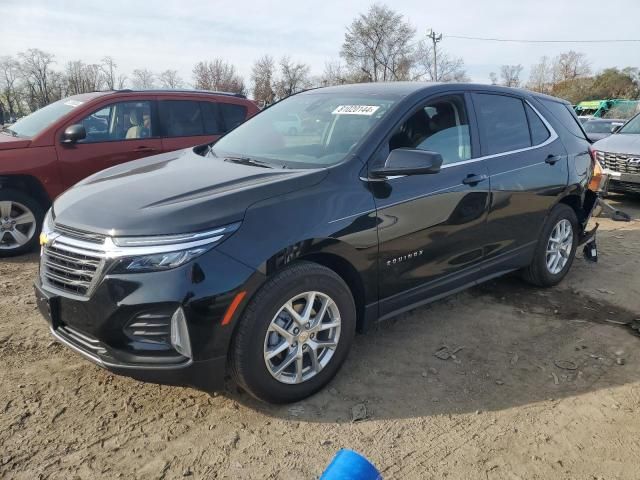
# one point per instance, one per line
(350, 465)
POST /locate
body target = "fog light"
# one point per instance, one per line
(180, 334)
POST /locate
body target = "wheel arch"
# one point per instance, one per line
(29, 185)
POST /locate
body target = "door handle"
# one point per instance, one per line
(552, 159)
(473, 179)
(145, 149)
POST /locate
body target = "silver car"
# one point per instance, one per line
(619, 155)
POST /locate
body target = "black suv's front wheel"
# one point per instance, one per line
(294, 335)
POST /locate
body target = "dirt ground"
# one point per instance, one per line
(546, 384)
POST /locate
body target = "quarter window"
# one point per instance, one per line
(565, 115)
(232, 115)
(539, 132)
(211, 117)
(119, 121)
(503, 122)
(441, 126)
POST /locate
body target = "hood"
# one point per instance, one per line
(9, 142)
(619, 143)
(176, 192)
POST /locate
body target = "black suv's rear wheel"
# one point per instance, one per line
(294, 335)
(556, 248)
(20, 222)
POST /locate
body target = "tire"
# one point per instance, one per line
(14, 205)
(539, 272)
(255, 334)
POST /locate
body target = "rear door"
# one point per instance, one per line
(527, 164)
(431, 227)
(117, 132)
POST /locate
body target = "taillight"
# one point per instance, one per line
(596, 176)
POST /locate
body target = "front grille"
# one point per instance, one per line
(80, 234)
(620, 162)
(69, 269)
(152, 328)
(81, 340)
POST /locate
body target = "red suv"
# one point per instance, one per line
(55, 147)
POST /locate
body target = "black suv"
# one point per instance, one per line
(263, 253)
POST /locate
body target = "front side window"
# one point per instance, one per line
(503, 122)
(328, 127)
(441, 126)
(181, 118)
(119, 121)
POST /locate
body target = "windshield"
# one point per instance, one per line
(40, 119)
(599, 127)
(305, 131)
(632, 126)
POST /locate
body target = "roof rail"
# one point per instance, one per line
(181, 90)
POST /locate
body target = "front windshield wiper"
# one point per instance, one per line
(248, 161)
(13, 133)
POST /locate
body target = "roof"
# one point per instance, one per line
(157, 91)
(403, 89)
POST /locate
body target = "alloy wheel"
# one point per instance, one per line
(302, 337)
(17, 225)
(559, 246)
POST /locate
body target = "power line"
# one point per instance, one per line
(488, 39)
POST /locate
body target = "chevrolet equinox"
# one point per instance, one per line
(262, 254)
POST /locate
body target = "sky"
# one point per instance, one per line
(161, 34)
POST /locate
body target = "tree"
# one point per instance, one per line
(263, 79)
(493, 78)
(541, 76)
(143, 79)
(82, 78)
(569, 66)
(108, 68)
(10, 91)
(170, 79)
(510, 75)
(334, 74)
(294, 77)
(614, 83)
(217, 75)
(449, 69)
(40, 83)
(574, 90)
(377, 45)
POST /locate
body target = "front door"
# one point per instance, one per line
(431, 227)
(116, 133)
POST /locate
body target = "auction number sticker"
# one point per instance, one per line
(355, 109)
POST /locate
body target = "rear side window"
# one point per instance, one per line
(503, 122)
(539, 132)
(211, 117)
(565, 115)
(181, 118)
(232, 115)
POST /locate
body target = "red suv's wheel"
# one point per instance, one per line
(20, 222)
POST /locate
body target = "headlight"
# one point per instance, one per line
(163, 252)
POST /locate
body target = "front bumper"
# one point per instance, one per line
(623, 182)
(99, 327)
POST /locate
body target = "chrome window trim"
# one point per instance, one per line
(553, 136)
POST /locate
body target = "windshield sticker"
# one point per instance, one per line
(355, 109)
(73, 103)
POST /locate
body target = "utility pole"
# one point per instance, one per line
(435, 38)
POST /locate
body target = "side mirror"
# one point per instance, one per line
(615, 128)
(74, 133)
(406, 161)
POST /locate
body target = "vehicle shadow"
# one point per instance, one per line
(507, 344)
